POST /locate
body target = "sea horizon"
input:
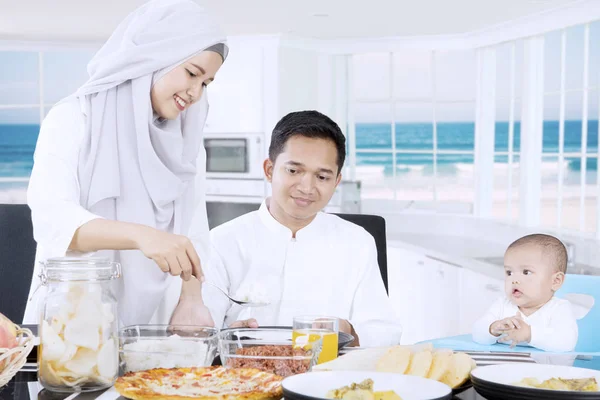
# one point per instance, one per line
(17, 144)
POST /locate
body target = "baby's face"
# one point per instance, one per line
(531, 278)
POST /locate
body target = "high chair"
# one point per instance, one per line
(589, 325)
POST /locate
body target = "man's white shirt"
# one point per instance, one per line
(329, 269)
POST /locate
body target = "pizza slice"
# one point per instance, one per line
(214, 383)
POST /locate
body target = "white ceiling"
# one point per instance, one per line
(87, 20)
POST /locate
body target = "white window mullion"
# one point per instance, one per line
(485, 125)
(441, 151)
(511, 133)
(532, 117)
(351, 123)
(18, 106)
(334, 96)
(561, 128)
(41, 85)
(598, 175)
(434, 119)
(584, 127)
(393, 130)
(376, 151)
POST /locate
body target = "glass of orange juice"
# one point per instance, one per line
(309, 329)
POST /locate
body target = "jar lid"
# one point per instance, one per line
(77, 269)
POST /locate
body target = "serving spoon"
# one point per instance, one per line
(236, 301)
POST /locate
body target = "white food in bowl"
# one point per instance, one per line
(171, 352)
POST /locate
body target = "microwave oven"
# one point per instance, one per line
(234, 155)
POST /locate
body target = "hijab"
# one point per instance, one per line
(134, 166)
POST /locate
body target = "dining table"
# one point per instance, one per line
(24, 386)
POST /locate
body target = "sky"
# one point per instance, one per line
(412, 81)
(455, 74)
(64, 72)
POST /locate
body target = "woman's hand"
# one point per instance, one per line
(173, 253)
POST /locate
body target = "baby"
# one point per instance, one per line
(529, 314)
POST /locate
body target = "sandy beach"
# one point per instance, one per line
(455, 194)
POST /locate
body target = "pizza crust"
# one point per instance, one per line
(138, 385)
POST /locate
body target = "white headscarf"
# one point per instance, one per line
(134, 166)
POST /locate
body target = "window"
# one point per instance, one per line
(570, 128)
(64, 72)
(19, 121)
(30, 83)
(414, 116)
(507, 135)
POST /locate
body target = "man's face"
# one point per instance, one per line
(303, 177)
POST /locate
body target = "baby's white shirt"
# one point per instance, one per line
(553, 326)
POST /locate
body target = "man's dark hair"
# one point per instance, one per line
(311, 124)
(551, 246)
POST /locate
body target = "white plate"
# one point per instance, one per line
(509, 374)
(315, 385)
(503, 378)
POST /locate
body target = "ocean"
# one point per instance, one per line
(17, 143)
(460, 136)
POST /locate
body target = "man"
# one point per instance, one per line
(288, 252)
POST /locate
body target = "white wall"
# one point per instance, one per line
(298, 80)
(333, 88)
(236, 96)
(263, 80)
(310, 80)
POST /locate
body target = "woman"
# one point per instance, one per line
(118, 164)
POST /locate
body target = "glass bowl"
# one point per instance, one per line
(266, 349)
(144, 347)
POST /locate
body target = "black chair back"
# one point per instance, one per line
(17, 256)
(375, 225)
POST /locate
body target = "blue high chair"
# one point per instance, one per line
(589, 326)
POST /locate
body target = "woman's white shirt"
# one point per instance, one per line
(54, 198)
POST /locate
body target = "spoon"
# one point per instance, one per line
(236, 301)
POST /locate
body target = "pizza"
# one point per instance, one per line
(214, 383)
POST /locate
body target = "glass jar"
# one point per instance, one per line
(78, 326)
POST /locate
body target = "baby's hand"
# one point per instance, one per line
(504, 325)
(517, 335)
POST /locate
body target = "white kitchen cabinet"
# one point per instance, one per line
(441, 301)
(406, 289)
(236, 188)
(236, 96)
(434, 298)
(477, 293)
(424, 293)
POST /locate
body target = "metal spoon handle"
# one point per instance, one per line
(223, 291)
(241, 303)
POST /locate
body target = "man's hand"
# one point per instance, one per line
(247, 323)
(191, 311)
(346, 327)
